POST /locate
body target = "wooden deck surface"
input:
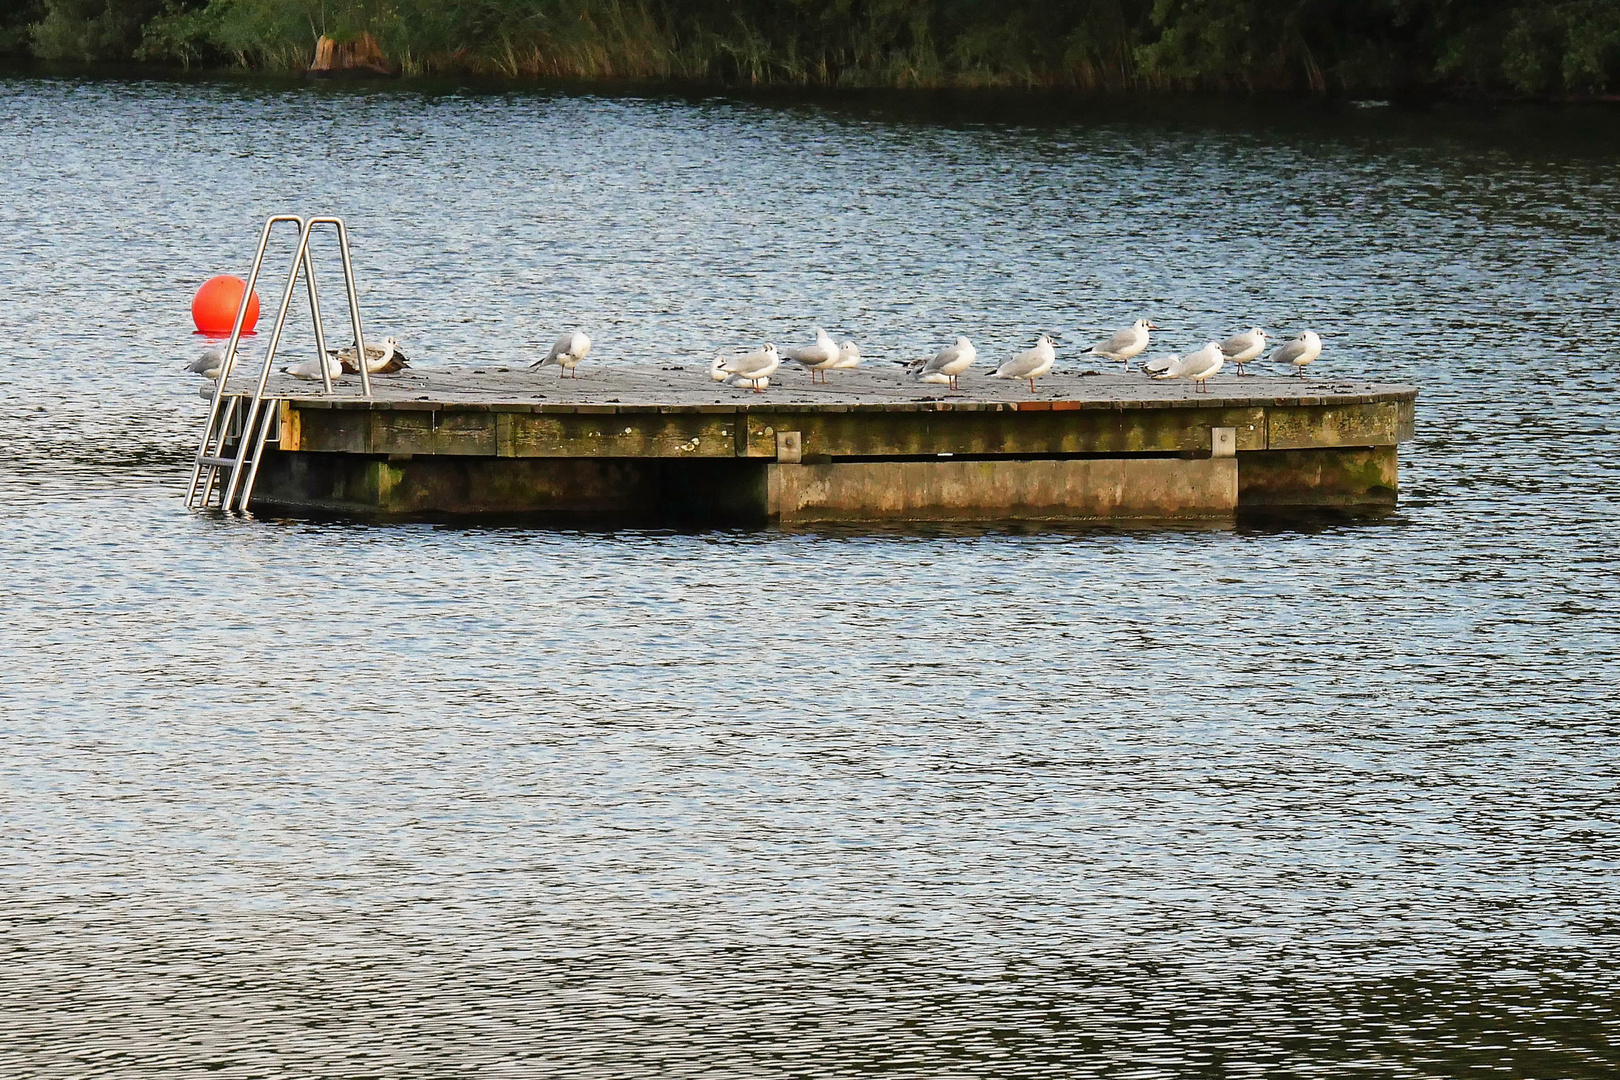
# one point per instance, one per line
(877, 386)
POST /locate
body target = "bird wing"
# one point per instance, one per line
(747, 365)
(1203, 362)
(559, 347)
(948, 355)
(1161, 363)
(819, 353)
(1019, 365)
(1289, 352)
(1122, 340)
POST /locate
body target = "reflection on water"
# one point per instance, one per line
(326, 798)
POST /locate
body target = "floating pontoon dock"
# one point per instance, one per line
(665, 442)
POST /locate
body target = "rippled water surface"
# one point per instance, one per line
(321, 799)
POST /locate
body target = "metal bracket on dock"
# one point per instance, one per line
(235, 474)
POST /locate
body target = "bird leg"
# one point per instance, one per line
(1032, 386)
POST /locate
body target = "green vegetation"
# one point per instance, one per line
(1521, 47)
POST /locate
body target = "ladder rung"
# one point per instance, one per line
(218, 462)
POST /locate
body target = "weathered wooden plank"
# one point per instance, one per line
(856, 433)
(671, 435)
(1297, 427)
(874, 387)
(756, 433)
(1021, 434)
(291, 432)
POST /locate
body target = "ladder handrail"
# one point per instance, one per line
(230, 352)
(258, 452)
(264, 371)
(217, 451)
(354, 299)
(250, 444)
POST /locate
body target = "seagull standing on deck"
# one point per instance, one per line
(209, 363)
(819, 357)
(753, 369)
(1031, 364)
(947, 364)
(1199, 367)
(1241, 348)
(1126, 343)
(566, 353)
(1299, 352)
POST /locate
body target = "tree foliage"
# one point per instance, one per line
(1526, 47)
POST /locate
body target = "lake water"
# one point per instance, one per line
(288, 798)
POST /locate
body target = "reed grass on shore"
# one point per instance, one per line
(1519, 47)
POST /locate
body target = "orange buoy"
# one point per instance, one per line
(213, 309)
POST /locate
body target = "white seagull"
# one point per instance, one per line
(1031, 364)
(818, 357)
(1161, 363)
(1241, 348)
(311, 369)
(849, 356)
(755, 368)
(384, 359)
(947, 364)
(1125, 344)
(566, 353)
(1199, 366)
(1299, 352)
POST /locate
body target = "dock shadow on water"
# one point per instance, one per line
(293, 796)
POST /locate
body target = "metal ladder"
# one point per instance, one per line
(248, 418)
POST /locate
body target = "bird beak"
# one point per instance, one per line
(1153, 326)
